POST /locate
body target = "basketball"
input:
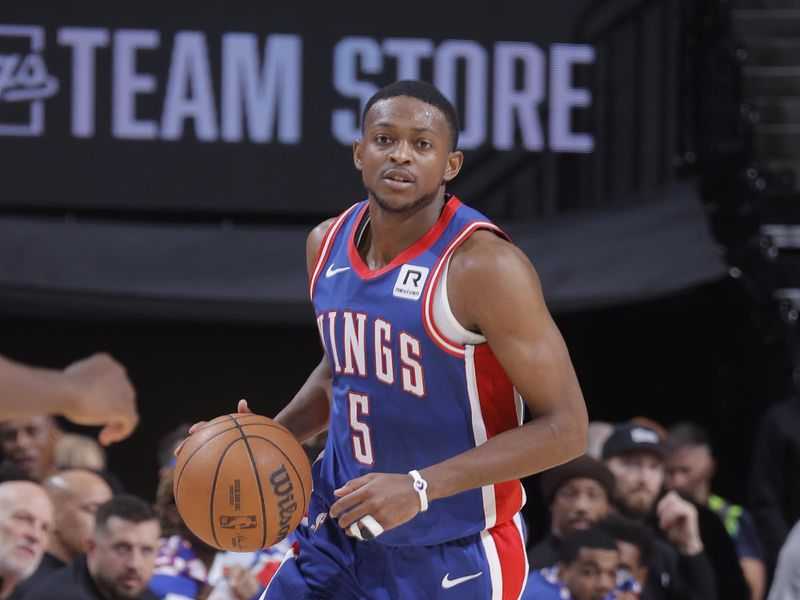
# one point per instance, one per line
(242, 482)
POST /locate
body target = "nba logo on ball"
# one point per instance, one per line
(410, 282)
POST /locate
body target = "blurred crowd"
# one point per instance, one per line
(635, 518)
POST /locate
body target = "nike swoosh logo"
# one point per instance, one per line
(447, 583)
(331, 271)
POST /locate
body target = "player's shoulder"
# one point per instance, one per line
(486, 252)
(315, 237)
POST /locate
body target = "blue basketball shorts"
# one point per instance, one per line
(327, 564)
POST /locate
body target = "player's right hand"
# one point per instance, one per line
(241, 407)
(101, 394)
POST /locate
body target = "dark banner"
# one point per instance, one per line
(251, 108)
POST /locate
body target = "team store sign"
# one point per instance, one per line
(253, 89)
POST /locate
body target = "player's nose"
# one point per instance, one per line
(401, 152)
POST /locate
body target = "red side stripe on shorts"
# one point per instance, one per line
(513, 562)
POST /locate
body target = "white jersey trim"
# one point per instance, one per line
(325, 248)
(444, 318)
(518, 523)
(495, 571)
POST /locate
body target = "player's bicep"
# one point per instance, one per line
(502, 298)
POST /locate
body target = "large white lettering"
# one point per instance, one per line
(269, 96)
(189, 91)
(129, 83)
(445, 76)
(460, 68)
(564, 97)
(518, 105)
(351, 55)
(84, 42)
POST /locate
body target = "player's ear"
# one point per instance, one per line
(358, 148)
(454, 162)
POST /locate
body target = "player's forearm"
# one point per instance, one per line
(534, 447)
(29, 391)
(309, 411)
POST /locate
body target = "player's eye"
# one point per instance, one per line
(382, 138)
(424, 144)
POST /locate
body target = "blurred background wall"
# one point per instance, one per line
(162, 162)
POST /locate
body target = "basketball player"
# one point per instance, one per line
(435, 330)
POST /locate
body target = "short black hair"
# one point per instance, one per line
(687, 433)
(421, 90)
(585, 538)
(124, 506)
(630, 531)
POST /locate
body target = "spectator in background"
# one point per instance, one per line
(690, 468)
(587, 567)
(775, 475)
(120, 556)
(92, 391)
(166, 449)
(598, 434)
(26, 515)
(786, 583)
(635, 544)
(577, 494)
(187, 567)
(680, 569)
(76, 496)
(75, 451)
(29, 443)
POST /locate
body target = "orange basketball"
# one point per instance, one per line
(242, 482)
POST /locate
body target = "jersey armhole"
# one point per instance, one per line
(443, 316)
(432, 315)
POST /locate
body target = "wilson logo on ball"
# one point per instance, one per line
(283, 488)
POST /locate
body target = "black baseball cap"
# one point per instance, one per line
(628, 437)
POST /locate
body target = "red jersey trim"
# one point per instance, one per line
(428, 321)
(410, 253)
(325, 249)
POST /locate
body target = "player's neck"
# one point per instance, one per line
(390, 233)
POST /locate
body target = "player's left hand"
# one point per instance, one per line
(389, 498)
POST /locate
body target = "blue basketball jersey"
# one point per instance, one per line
(404, 395)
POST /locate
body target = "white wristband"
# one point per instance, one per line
(420, 486)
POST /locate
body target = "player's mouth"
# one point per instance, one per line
(398, 179)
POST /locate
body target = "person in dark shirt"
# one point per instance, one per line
(76, 496)
(577, 494)
(679, 567)
(690, 469)
(119, 561)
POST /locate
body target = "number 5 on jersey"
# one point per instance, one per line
(362, 441)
